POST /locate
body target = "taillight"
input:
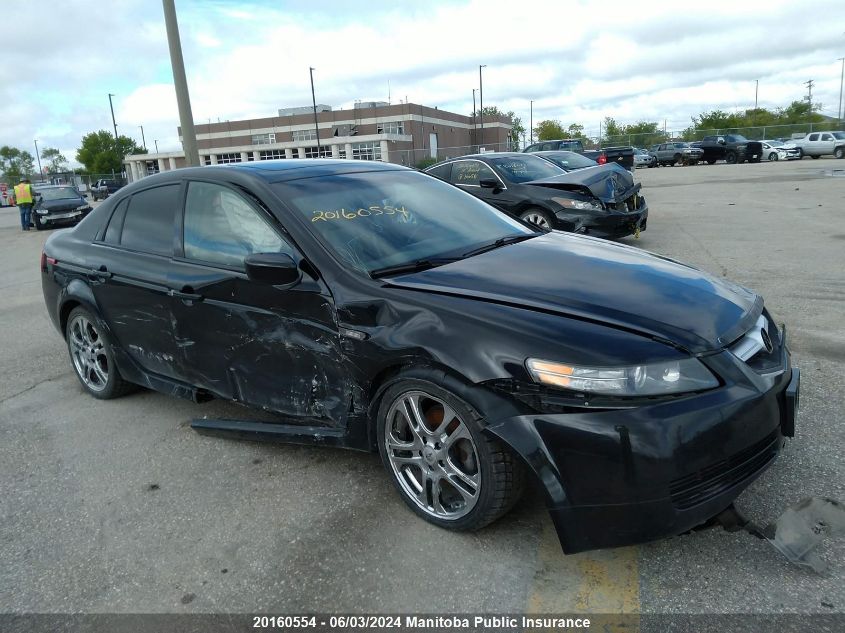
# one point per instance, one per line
(602, 160)
(47, 260)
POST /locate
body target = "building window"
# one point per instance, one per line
(391, 127)
(311, 152)
(271, 154)
(234, 157)
(206, 160)
(264, 139)
(304, 135)
(341, 152)
(366, 151)
(152, 167)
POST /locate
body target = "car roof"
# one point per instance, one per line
(489, 155)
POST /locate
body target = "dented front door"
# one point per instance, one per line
(272, 348)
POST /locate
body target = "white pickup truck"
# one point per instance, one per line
(817, 144)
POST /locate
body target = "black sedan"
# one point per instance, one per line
(376, 308)
(58, 204)
(602, 201)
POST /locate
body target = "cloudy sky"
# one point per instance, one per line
(579, 61)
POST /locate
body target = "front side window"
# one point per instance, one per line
(376, 219)
(223, 227)
(148, 225)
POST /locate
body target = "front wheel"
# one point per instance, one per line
(445, 469)
(773, 156)
(730, 158)
(540, 217)
(800, 153)
(36, 220)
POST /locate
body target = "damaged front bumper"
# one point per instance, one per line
(625, 476)
(614, 223)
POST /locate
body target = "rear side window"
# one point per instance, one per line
(813, 137)
(116, 223)
(148, 225)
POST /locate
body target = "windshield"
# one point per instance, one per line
(59, 193)
(524, 168)
(569, 160)
(775, 143)
(736, 138)
(378, 219)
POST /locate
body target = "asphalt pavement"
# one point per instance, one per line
(118, 506)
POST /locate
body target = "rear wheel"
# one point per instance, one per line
(839, 152)
(91, 356)
(815, 156)
(679, 160)
(540, 217)
(445, 469)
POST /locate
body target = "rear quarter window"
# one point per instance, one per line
(440, 171)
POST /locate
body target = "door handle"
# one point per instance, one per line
(99, 274)
(186, 294)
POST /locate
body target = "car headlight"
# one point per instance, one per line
(581, 205)
(638, 380)
(82, 207)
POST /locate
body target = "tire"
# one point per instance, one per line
(800, 153)
(91, 356)
(679, 160)
(465, 483)
(815, 156)
(39, 225)
(773, 156)
(540, 217)
(730, 158)
(839, 152)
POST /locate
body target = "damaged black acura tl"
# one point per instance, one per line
(378, 308)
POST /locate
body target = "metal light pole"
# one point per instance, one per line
(143, 140)
(531, 123)
(186, 118)
(112, 116)
(314, 104)
(156, 142)
(481, 102)
(38, 156)
(841, 77)
(756, 87)
(474, 117)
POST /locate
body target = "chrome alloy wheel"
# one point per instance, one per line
(88, 353)
(433, 455)
(536, 218)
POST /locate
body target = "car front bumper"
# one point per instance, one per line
(611, 223)
(625, 476)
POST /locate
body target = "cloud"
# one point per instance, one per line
(578, 61)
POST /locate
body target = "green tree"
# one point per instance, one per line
(548, 130)
(611, 128)
(517, 128)
(15, 164)
(56, 161)
(575, 130)
(100, 153)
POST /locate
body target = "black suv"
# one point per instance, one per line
(568, 144)
(731, 148)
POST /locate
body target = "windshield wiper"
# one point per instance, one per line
(412, 267)
(502, 241)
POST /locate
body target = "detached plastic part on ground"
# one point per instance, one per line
(797, 532)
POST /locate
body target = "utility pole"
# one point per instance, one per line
(841, 77)
(481, 102)
(143, 140)
(314, 103)
(531, 123)
(809, 84)
(180, 82)
(112, 116)
(756, 87)
(38, 156)
(156, 142)
(474, 117)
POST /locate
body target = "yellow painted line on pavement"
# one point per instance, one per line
(602, 582)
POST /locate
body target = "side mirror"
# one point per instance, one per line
(276, 269)
(489, 183)
(722, 141)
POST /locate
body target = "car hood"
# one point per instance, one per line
(591, 279)
(608, 183)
